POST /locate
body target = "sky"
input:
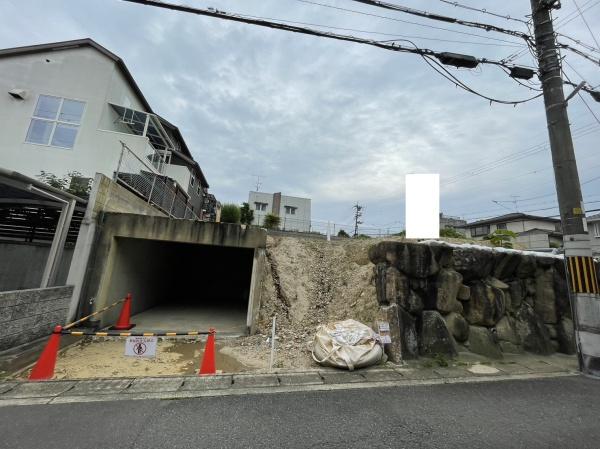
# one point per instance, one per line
(338, 122)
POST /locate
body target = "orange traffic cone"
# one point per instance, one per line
(44, 368)
(123, 323)
(208, 359)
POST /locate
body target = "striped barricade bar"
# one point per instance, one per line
(136, 334)
(97, 312)
(582, 275)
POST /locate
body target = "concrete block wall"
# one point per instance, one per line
(26, 315)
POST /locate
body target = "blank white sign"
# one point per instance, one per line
(423, 206)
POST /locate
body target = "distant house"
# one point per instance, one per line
(451, 222)
(533, 232)
(293, 211)
(594, 231)
(69, 106)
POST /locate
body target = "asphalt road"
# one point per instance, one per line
(546, 413)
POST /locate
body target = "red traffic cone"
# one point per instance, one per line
(208, 359)
(44, 368)
(123, 323)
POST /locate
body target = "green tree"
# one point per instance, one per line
(343, 233)
(230, 213)
(271, 221)
(246, 214)
(502, 238)
(451, 232)
(73, 182)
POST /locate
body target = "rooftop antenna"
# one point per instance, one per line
(258, 183)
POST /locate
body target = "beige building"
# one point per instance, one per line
(594, 230)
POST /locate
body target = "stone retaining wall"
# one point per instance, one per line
(440, 299)
(26, 315)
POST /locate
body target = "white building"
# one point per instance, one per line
(532, 231)
(294, 212)
(66, 107)
(594, 231)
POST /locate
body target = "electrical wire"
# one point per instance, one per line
(563, 23)
(581, 43)
(586, 23)
(579, 52)
(441, 18)
(395, 19)
(484, 11)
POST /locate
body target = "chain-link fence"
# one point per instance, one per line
(142, 175)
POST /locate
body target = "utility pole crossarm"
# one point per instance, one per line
(582, 281)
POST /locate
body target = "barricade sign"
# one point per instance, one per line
(141, 346)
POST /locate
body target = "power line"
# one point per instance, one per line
(441, 18)
(579, 52)
(579, 42)
(574, 14)
(586, 24)
(462, 59)
(395, 19)
(484, 11)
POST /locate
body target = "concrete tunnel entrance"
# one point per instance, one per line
(183, 286)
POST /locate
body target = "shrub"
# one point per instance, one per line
(246, 214)
(502, 238)
(271, 221)
(230, 213)
(343, 233)
(73, 183)
(451, 232)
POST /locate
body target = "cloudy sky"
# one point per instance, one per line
(334, 121)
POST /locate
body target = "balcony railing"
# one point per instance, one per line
(143, 175)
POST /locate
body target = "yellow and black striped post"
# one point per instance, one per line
(582, 275)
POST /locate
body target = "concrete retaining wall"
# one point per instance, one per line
(112, 197)
(26, 315)
(22, 264)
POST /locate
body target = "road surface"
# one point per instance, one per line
(546, 413)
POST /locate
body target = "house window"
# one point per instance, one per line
(479, 231)
(289, 210)
(597, 229)
(260, 206)
(55, 122)
(501, 226)
(198, 190)
(192, 180)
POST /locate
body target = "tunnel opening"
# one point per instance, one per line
(182, 286)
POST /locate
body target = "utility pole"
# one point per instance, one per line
(357, 214)
(258, 183)
(583, 284)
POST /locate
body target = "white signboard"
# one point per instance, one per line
(141, 346)
(384, 332)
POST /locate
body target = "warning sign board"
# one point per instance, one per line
(141, 346)
(384, 332)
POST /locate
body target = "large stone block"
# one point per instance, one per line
(517, 292)
(505, 264)
(561, 292)
(397, 289)
(447, 284)
(434, 336)
(545, 301)
(412, 304)
(413, 259)
(565, 335)
(443, 254)
(532, 332)
(464, 293)
(458, 326)
(409, 343)
(505, 331)
(526, 267)
(473, 263)
(393, 349)
(482, 342)
(486, 305)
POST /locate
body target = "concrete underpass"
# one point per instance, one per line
(182, 286)
(183, 275)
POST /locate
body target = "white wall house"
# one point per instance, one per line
(294, 212)
(66, 106)
(533, 231)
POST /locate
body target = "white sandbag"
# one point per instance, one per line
(346, 344)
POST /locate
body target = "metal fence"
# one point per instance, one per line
(142, 175)
(320, 227)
